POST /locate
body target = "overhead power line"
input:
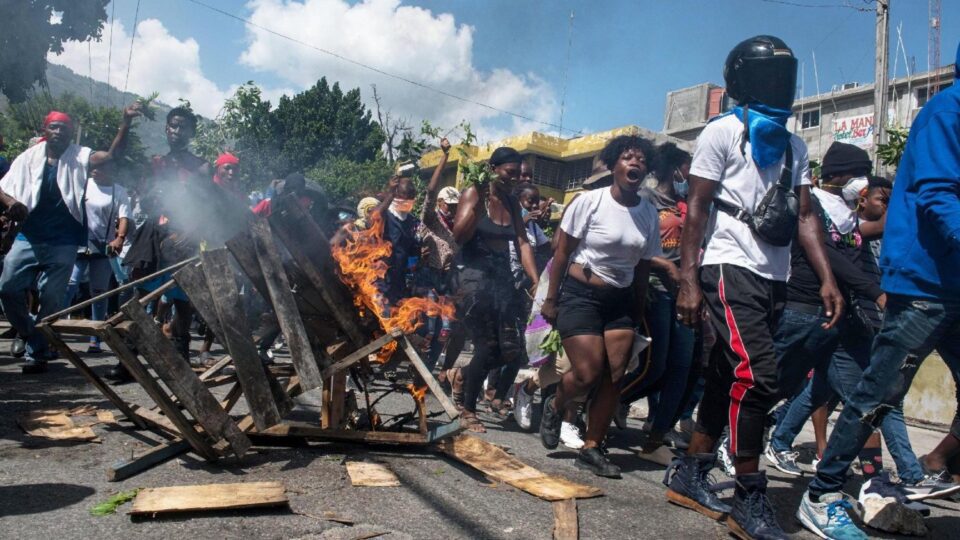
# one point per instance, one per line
(380, 71)
(113, 9)
(133, 38)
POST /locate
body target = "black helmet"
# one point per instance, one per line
(761, 69)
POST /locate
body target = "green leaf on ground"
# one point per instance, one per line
(110, 505)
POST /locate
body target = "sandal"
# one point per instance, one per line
(470, 421)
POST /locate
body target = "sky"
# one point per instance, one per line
(611, 66)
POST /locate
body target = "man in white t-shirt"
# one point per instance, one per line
(741, 281)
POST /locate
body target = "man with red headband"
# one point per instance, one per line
(227, 171)
(47, 182)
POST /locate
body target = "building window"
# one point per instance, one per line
(577, 171)
(924, 93)
(809, 119)
(561, 175)
(548, 172)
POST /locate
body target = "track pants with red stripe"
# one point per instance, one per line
(741, 379)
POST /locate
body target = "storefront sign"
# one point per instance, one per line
(857, 130)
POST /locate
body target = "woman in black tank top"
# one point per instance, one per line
(487, 221)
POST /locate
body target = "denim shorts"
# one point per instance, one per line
(586, 310)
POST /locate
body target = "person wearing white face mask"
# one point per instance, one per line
(400, 228)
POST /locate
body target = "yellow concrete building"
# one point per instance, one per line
(559, 165)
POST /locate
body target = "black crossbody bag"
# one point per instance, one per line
(775, 219)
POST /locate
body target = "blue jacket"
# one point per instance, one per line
(921, 243)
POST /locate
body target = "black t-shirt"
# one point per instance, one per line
(51, 222)
(845, 253)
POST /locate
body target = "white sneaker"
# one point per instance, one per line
(523, 407)
(570, 436)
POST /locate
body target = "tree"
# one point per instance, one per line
(29, 33)
(343, 179)
(246, 128)
(392, 129)
(322, 122)
(320, 129)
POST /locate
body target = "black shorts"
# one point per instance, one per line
(586, 310)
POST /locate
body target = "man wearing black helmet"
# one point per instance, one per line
(756, 175)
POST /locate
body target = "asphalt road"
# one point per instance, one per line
(47, 489)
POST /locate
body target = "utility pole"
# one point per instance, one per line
(881, 79)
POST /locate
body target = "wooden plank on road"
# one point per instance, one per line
(158, 454)
(151, 501)
(501, 466)
(565, 526)
(54, 339)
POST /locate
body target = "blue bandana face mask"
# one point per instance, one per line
(768, 133)
(680, 187)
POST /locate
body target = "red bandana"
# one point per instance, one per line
(56, 116)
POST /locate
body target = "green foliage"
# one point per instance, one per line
(97, 126)
(110, 505)
(148, 111)
(343, 178)
(321, 130)
(412, 147)
(322, 122)
(473, 172)
(891, 151)
(552, 343)
(28, 35)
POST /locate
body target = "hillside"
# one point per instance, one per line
(62, 80)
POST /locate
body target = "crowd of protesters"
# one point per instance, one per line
(727, 281)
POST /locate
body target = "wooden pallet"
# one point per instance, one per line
(328, 342)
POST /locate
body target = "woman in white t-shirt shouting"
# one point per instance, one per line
(598, 284)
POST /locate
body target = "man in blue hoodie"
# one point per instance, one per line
(919, 261)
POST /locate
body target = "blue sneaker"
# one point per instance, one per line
(752, 516)
(690, 486)
(828, 517)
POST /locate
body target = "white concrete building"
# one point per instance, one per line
(845, 113)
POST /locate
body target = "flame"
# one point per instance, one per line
(362, 260)
(417, 393)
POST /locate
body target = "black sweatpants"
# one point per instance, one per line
(492, 310)
(741, 378)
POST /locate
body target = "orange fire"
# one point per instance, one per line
(362, 260)
(417, 393)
